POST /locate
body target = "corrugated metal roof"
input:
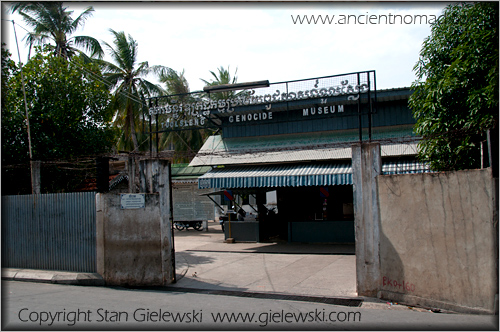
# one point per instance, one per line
(295, 148)
(185, 180)
(185, 171)
(114, 180)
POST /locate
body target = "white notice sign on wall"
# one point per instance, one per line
(133, 201)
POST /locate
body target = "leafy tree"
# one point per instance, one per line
(9, 67)
(126, 77)
(69, 111)
(10, 123)
(455, 99)
(52, 22)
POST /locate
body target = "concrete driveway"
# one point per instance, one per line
(204, 261)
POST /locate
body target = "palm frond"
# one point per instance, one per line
(90, 44)
(125, 50)
(175, 82)
(80, 20)
(142, 70)
(53, 21)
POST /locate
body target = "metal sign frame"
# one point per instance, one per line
(204, 110)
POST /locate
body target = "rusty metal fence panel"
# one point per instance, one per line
(49, 231)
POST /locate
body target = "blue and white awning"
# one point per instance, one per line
(288, 175)
(404, 167)
(277, 176)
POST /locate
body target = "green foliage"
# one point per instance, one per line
(185, 143)
(176, 83)
(455, 97)
(223, 76)
(10, 122)
(125, 76)
(69, 111)
(52, 23)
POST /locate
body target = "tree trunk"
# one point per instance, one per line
(130, 113)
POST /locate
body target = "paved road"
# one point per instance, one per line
(28, 306)
(239, 273)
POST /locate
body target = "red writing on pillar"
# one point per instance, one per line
(404, 286)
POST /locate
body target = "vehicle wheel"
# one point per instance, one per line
(198, 226)
(179, 227)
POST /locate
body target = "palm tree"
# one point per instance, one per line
(185, 143)
(126, 77)
(51, 22)
(175, 82)
(224, 77)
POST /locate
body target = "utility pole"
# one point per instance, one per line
(34, 166)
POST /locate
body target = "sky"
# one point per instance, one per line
(263, 41)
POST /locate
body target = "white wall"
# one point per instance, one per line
(438, 240)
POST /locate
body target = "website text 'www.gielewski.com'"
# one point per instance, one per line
(165, 316)
(365, 19)
(280, 317)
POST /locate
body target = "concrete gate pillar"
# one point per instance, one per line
(134, 233)
(366, 165)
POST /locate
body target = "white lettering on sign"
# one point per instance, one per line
(203, 183)
(251, 117)
(183, 123)
(323, 110)
(203, 107)
(132, 201)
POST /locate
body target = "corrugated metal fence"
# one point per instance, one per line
(49, 231)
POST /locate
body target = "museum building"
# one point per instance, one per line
(284, 156)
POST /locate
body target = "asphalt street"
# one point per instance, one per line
(29, 306)
(239, 286)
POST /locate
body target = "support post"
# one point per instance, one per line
(366, 166)
(166, 222)
(102, 169)
(492, 136)
(143, 176)
(35, 177)
(131, 175)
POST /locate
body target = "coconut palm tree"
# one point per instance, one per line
(185, 143)
(222, 77)
(175, 82)
(125, 76)
(52, 23)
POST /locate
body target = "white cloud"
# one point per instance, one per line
(262, 40)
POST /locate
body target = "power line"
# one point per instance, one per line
(96, 77)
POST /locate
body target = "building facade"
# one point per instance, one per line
(286, 160)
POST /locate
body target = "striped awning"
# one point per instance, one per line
(404, 167)
(287, 175)
(277, 176)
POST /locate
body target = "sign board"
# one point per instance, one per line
(271, 198)
(204, 183)
(228, 195)
(197, 110)
(323, 191)
(133, 201)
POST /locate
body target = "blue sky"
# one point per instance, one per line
(261, 40)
